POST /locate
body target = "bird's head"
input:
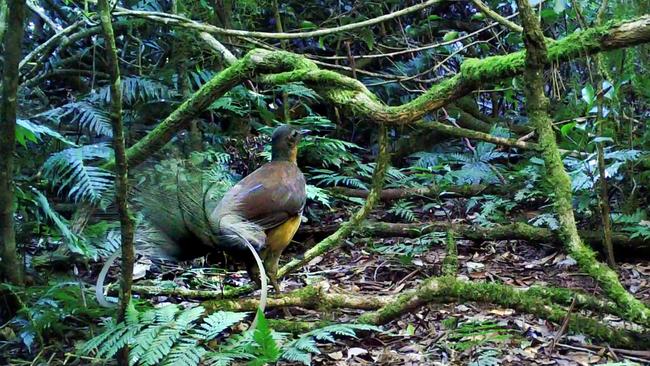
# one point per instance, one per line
(284, 143)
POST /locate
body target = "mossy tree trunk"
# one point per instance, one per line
(10, 266)
(121, 168)
(537, 106)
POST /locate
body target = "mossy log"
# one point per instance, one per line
(449, 288)
(539, 301)
(432, 191)
(514, 231)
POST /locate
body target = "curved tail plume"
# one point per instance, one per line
(184, 220)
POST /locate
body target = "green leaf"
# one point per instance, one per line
(268, 350)
(27, 130)
(307, 25)
(450, 36)
(588, 94)
(478, 16)
(567, 128)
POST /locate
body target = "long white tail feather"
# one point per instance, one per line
(247, 231)
(263, 282)
(99, 287)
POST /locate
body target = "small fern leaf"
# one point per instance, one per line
(186, 353)
(217, 322)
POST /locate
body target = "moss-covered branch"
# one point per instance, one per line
(311, 297)
(539, 301)
(537, 105)
(433, 191)
(514, 231)
(435, 289)
(279, 67)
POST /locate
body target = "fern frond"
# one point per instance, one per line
(300, 349)
(73, 241)
(217, 322)
(186, 353)
(68, 169)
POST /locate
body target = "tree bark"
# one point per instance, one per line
(121, 168)
(537, 106)
(9, 260)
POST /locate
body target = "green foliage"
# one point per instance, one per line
(167, 336)
(85, 114)
(73, 241)
(404, 210)
(70, 170)
(478, 165)
(472, 334)
(584, 171)
(319, 195)
(29, 131)
(406, 250)
(491, 209)
(174, 336)
(135, 89)
(57, 309)
(300, 349)
(636, 224)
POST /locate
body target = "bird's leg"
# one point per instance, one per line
(271, 262)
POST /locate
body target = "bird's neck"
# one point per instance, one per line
(290, 155)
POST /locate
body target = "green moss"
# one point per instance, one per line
(450, 263)
(493, 67)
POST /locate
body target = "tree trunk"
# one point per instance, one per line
(9, 261)
(537, 105)
(121, 168)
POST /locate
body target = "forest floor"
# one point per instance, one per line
(441, 333)
(455, 333)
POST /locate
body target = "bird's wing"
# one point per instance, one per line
(269, 196)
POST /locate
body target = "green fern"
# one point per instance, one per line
(300, 349)
(319, 195)
(68, 170)
(168, 335)
(72, 240)
(328, 177)
(29, 131)
(86, 114)
(171, 336)
(403, 209)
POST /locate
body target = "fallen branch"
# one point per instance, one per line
(432, 191)
(514, 231)
(535, 300)
(452, 289)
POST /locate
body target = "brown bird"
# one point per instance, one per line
(261, 213)
(272, 198)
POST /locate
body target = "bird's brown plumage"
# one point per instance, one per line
(272, 198)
